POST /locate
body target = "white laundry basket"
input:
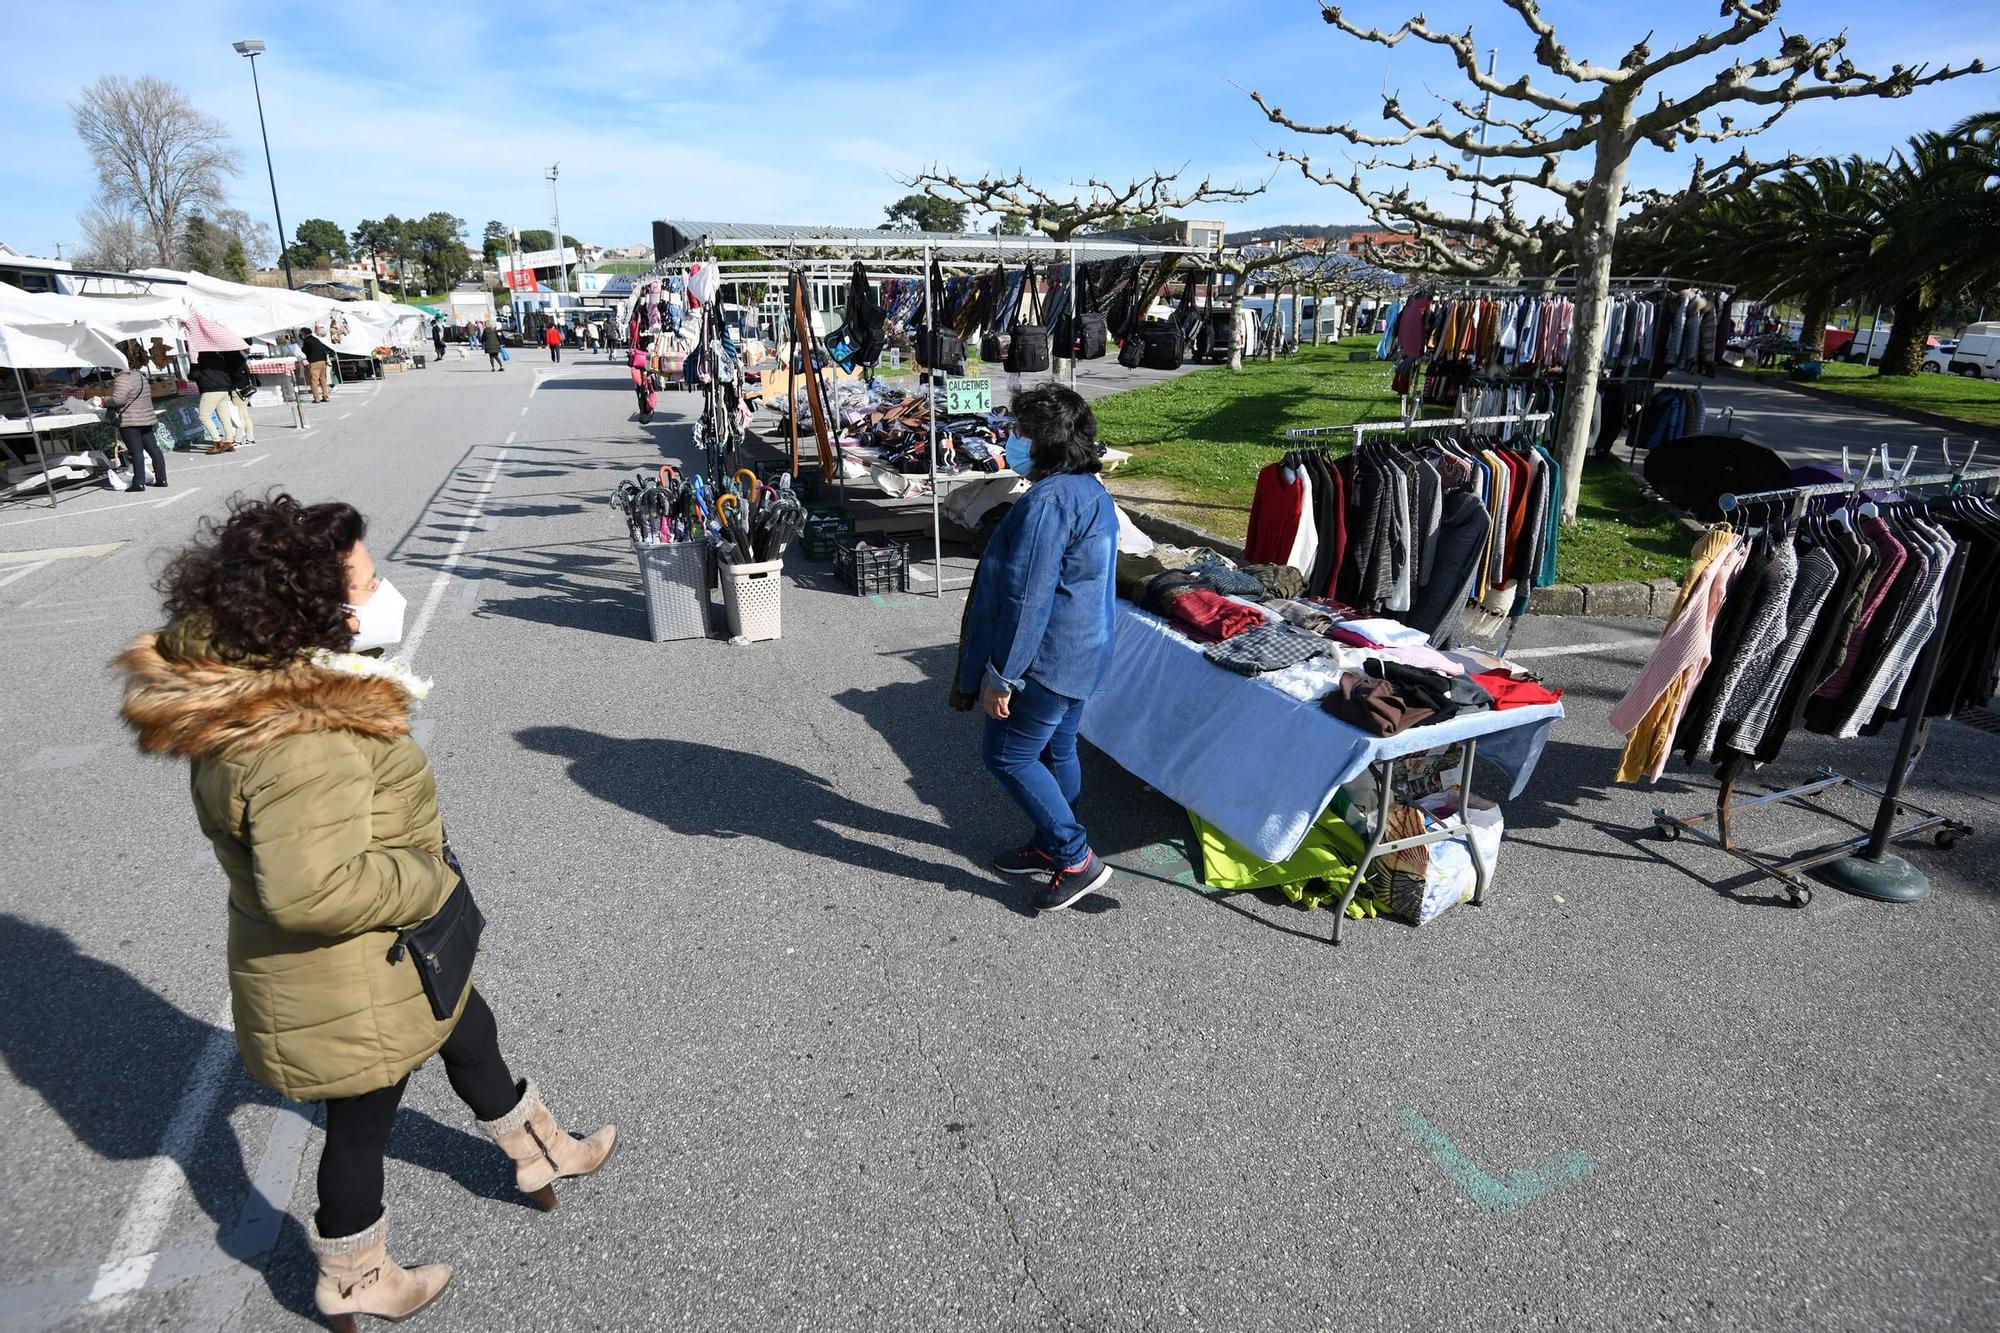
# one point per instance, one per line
(675, 578)
(752, 594)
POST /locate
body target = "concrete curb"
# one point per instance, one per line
(1652, 600)
(1852, 403)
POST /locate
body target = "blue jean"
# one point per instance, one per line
(1033, 754)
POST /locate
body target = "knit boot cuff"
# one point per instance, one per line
(329, 1246)
(531, 1098)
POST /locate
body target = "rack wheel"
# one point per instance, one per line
(1946, 839)
(1667, 830)
(1801, 897)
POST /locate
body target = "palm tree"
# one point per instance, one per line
(1940, 231)
(1804, 235)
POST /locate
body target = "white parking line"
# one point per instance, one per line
(253, 462)
(510, 436)
(177, 497)
(24, 571)
(415, 635)
(133, 1252)
(345, 415)
(74, 513)
(1575, 649)
(59, 553)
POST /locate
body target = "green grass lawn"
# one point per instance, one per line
(1197, 443)
(1975, 402)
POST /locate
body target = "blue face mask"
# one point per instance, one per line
(1020, 454)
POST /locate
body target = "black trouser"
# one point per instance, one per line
(141, 443)
(357, 1128)
(493, 361)
(555, 351)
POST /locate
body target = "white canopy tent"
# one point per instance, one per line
(267, 312)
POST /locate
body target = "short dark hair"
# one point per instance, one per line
(270, 580)
(1061, 427)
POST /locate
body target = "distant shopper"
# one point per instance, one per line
(490, 340)
(132, 399)
(437, 336)
(317, 355)
(324, 818)
(1038, 635)
(590, 339)
(213, 379)
(642, 383)
(242, 388)
(553, 337)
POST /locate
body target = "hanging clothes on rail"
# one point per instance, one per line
(1823, 619)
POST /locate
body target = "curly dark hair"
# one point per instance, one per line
(1061, 429)
(270, 579)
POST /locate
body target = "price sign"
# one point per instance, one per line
(969, 395)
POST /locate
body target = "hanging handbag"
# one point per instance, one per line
(938, 348)
(858, 341)
(442, 948)
(1092, 333)
(1029, 350)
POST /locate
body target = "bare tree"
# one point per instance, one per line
(156, 154)
(112, 238)
(1092, 205)
(1595, 117)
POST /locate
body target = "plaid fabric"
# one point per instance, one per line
(1269, 647)
(206, 335)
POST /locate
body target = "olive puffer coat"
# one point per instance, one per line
(324, 815)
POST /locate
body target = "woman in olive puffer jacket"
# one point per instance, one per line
(323, 813)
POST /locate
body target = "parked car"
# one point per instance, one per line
(1937, 358)
(1867, 347)
(1978, 351)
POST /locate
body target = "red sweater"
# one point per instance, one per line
(1274, 516)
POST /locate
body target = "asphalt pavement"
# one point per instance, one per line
(736, 903)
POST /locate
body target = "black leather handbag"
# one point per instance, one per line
(442, 948)
(1029, 350)
(859, 339)
(938, 347)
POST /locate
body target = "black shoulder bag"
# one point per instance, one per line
(1091, 330)
(443, 947)
(1029, 351)
(858, 341)
(938, 347)
(993, 343)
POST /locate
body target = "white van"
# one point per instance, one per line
(1978, 352)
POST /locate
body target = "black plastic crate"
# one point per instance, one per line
(804, 485)
(881, 566)
(824, 524)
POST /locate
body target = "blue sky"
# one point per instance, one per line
(803, 110)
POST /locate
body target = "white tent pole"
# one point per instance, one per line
(930, 390)
(34, 431)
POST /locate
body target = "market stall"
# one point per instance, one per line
(1041, 304)
(48, 433)
(1286, 724)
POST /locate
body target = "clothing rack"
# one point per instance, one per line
(1361, 428)
(1862, 865)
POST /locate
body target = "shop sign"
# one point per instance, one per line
(963, 397)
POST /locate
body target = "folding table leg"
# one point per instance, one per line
(1384, 771)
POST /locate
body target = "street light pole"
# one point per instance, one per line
(555, 198)
(251, 49)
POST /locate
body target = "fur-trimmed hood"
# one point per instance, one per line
(184, 700)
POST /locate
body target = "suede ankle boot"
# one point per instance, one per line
(357, 1276)
(542, 1153)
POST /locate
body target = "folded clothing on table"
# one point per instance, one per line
(1268, 647)
(1211, 617)
(1391, 698)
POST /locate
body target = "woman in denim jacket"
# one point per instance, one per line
(1038, 635)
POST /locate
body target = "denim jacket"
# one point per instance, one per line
(1043, 606)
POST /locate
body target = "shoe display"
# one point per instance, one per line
(1073, 882)
(1024, 860)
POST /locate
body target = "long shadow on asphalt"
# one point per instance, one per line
(112, 1058)
(750, 796)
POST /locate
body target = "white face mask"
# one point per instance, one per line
(380, 618)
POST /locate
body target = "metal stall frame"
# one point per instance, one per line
(676, 241)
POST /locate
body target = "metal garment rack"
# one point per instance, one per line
(1861, 864)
